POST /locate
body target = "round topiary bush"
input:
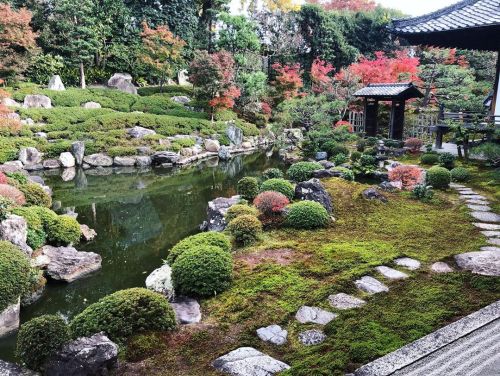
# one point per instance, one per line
(303, 171)
(460, 174)
(279, 185)
(124, 313)
(245, 229)
(36, 195)
(63, 230)
(40, 338)
(240, 209)
(202, 271)
(211, 238)
(429, 158)
(271, 202)
(248, 188)
(447, 160)
(307, 215)
(438, 177)
(36, 233)
(272, 173)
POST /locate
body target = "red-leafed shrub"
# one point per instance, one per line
(409, 176)
(414, 144)
(345, 124)
(270, 202)
(3, 178)
(12, 193)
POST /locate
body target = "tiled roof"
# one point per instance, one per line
(463, 15)
(388, 90)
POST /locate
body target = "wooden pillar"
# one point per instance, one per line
(371, 115)
(495, 104)
(396, 127)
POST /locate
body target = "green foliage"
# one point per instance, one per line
(40, 338)
(210, 238)
(43, 66)
(279, 185)
(460, 174)
(340, 159)
(10, 146)
(355, 156)
(124, 313)
(326, 139)
(202, 271)
(346, 173)
(238, 35)
(121, 151)
(490, 151)
(35, 195)
(245, 229)
(422, 192)
(36, 231)
(438, 177)
(333, 149)
(307, 215)
(447, 160)
(63, 230)
(302, 171)
(272, 173)
(429, 158)
(365, 165)
(240, 209)
(248, 188)
(18, 177)
(167, 90)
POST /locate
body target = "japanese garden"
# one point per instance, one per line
(249, 188)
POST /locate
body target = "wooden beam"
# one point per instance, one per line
(371, 117)
(495, 102)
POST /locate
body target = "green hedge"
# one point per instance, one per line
(303, 171)
(211, 238)
(279, 185)
(240, 209)
(63, 230)
(438, 177)
(245, 229)
(248, 187)
(460, 174)
(307, 215)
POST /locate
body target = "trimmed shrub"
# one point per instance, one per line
(36, 195)
(340, 159)
(307, 215)
(422, 192)
(272, 173)
(211, 238)
(245, 229)
(303, 171)
(240, 209)
(202, 271)
(438, 177)
(355, 156)
(279, 185)
(40, 338)
(414, 144)
(346, 173)
(63, 230)
(12, 193)
(248, 188)
(429, 158)
(124, 313)
(447, 160)
(271, 202)
(460, 174)
(409, 176)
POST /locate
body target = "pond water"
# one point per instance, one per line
(138, 216)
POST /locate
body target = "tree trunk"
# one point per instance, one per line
(82, 77)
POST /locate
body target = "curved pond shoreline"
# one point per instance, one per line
(138, 215)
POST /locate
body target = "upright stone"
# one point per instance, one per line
(30, 156)
(9, 318)
(182, 77)
(313, 190)
(187, 310)
(160, 280)
(78, 151)
(14, 229)
(55, 83)
(234, 134)
(67, 160)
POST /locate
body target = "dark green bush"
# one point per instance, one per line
(248, 188)
(272, 173)
(125, 313)
(35, 195)
(303, 171)
(460, 174)
(245, 229)
(429, 158)
(36, 234)
(438, 177)
(239, 209)
(355, 156)
(447, 160)
(63, 230)
(121, 151)
(202, 271)
(40, 338)
(279, 185)
(422, 192)
(167, 90)
(211, 238)
(307, 215)
(333, 149)
(340, 159)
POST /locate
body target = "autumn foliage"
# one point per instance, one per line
(349, 5)
(288, 80)
(7, 119)
(270, 202)
(321, 81)
(409, 176)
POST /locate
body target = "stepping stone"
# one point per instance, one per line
(312, 337)
(371, 285)
(315, 315)
(345, 301)
(483, 208)
(466, 192)
(391, 273)
(457, 186)
(473, 197)
(247, 361)
(486, 216)
(484, 262)
(487, 226)
(492, 249)
(273, 334)
(491, 234)
(441, 267)
(187, 310)
(494, 241)
(407, 262)
(477, 202)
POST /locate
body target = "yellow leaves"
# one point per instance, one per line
(282, 5)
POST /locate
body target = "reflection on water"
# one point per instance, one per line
(138, 216)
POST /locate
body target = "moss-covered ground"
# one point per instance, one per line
(289, 268)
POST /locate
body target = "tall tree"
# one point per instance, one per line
(182, 18)
(208, 11)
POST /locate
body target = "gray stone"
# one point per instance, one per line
(98, 160)
(12, 166)
(247, 361)
(483, 208)
(124, 161)
(466, 191)
(491, 234)
(67, 159)
(162, 157)
(490, 248)
(160, 280)
(40, 134)
(234, 134)
(187, 310)
(224, 153)
(117, 77)
(370, 285)
(477, 202)
(327, 173)
(345, 301)
(143, 161)
(55, 83)
(391, 273)
(85, 356)
(483, 262)
(9, 102)
(51, 164)
(313, 190)
(373, 194)
(67, 264)
(126, 87)
(473, 197)
(327, 164)
(182, 77)
(91, 105)
(494, 241)
(11, 369)
(37, 101)
(314, 315)
(30, 156)
(216, 210)
(88, 234)
(312, 337)
(487, 226)
(78, 151)
(140, 132)
(181, 99)
(273, 334)
(457, 186)
(33, 167)
(408, 263)
(27, 121)
(388, 186)
(9, 318)
(486, 216)
(68, 174)
(321, 156)
(36, 179)
(14, 229)
(212, 145)
(441, 267)
(246, 145)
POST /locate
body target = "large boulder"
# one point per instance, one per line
(161, 157)
(98, 160)
(55, 83)
(12, 166)
(9, 102)
(67, 264)
(117, 77)
(181, 99)
(216, 211)
(160, 280)
(9, 318)
(78, 151)
(140, 132)
(67, 160)
(312, 190)
(124, 161)
(85, 356)
(126, 87)
(11, 369)
(247, 361)
(143, 161)
(14, 229)
(37, 101)
(234, 134)
(224, 153)
(212, 145)
(30, 156)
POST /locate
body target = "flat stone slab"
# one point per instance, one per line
(486, 216)
(247, 361)
(441, 267)
(345, 301)
(391, 273)
(487, 226)
(483, 208)
(466, 191)
(187, 310)
(312, 337)
(457, 186)
(314, 315)
(494, 241)
(483, 262)
(67, 264)
(273, 334)
(488, 248)
(477, 202)
(408, 263)
(371, 285)
(491, 234)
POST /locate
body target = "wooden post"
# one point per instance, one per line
(371, 115)
(495, 103)
(396, 127)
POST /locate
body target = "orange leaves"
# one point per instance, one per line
(288, 80)
(321, 82)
